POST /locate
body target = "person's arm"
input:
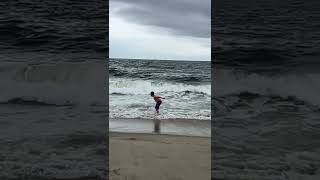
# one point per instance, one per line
(160, 97)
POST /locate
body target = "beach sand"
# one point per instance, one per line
(158, 157)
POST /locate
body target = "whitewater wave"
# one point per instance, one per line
(128, 86)
(130, 98)
(303, 87)
(53, 84)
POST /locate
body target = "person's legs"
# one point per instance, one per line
(157, 121)
(158, 106)
(157, 109)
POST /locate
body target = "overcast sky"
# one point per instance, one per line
(160, 29)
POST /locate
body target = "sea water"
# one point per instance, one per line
(186, 86)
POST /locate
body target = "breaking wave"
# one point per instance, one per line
(303, 87)
(53, 84)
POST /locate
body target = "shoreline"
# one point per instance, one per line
(155, 134)
(147, 156)
(167, 119)
(183, 127)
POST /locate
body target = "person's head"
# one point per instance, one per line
(152, 93)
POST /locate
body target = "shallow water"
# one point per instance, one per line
(185, 127)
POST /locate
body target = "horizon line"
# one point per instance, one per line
(155, 59)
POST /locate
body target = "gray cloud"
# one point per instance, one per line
(182, 17)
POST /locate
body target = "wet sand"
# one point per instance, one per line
(159, 157)
(188, 127)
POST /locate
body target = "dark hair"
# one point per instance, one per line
(152, 93)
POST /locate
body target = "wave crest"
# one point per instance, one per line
(304, 87)
(53, 84)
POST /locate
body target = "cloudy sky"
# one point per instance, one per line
(160, 29)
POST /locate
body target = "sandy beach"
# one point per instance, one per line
(159, 157)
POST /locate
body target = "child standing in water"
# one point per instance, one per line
(158, 101)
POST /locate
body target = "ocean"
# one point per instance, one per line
(266, 84)
(186, 86)
(53, 117)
